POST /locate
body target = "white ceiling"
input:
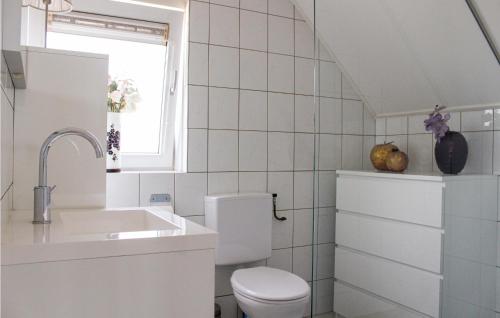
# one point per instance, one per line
(409, 55)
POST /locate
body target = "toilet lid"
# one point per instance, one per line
(269, 284)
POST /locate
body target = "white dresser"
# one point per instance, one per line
(415, 245)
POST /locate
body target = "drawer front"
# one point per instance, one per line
(411, 287)
(354, 303)
(413, 201)
(416, 245)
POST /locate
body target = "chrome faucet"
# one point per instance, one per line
(42, 191)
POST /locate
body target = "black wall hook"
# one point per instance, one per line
(282, 218)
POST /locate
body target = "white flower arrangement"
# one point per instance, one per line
(123, 95)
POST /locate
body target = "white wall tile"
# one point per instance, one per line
(330, 152)
(281, 7)
(283, 230)
(281, 36)
(253, 70)
(224, 67)
(477, 120)
(198, 107)
(222, 150)
(330, 80)
(368, 123)
(224, 26)
(368, 144)
(198, 64)
(7, 138)
(155, 183)
(254, 5)
(222, 280)
(223, 108)
(480, 155)
(222, 182)
(230, 3)
(190, 191)
(280, 151)
(281, 73)
(496, 119)
(253, 30)
(302, 227)
(122, 190)
(302, 262)
(323, 296)
(303, 190)
(304, 113)
(352, 117)
(455, 121)
(304, 40)
(304, 79)
(348, 90)
(197, 150)
(324, 53)
(420, 152)
(282, 184)
(253, 110)
(327, 188)
(326, 225)
(416, 124)
(325, 264)
(380, 126)
(330, 118)
(304, 151)
(253, 151)
(198, 219)
(280, 112)
(253, 182)
(352, 151)
(198, 21)
(496, 154)
(281, 259)
(397, 125)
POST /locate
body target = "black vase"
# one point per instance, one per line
(451, 153)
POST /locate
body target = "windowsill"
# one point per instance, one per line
(143, 171)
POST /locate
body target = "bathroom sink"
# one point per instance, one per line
(94, 233)
(113, 221)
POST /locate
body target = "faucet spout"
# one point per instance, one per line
(42, 191)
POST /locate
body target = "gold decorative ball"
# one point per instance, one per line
(397, 161)
(379, 153)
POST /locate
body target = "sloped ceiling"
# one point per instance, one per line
(409, 55)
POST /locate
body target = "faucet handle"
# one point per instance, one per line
(52, 188)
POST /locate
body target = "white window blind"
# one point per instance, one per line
(108, 26)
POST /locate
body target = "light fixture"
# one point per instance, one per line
(50, 5)
(60, 6)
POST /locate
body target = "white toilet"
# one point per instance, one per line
(244, 223)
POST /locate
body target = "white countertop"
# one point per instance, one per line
(70, 236)
(423, 176)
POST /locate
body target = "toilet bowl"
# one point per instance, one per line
(264, 292)
(243, 222)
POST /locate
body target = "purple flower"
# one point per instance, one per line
(437, 123)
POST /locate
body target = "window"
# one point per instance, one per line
(138, 52)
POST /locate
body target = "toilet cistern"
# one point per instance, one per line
(42, 192)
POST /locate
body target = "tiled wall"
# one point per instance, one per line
(251, 128)
(480, 128)
(7, 96)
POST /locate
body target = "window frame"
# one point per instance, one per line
(163, 160)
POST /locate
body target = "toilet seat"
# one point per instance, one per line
(269, 285)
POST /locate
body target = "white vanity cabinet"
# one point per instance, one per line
(415, 245)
